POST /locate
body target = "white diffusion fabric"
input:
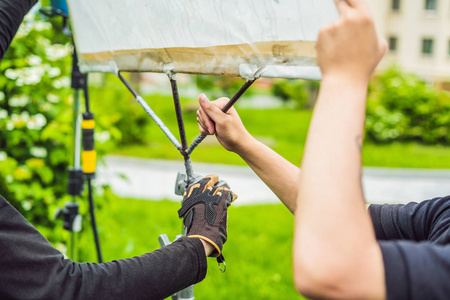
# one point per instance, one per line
(220, 37)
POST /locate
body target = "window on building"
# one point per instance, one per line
(427, 46)
(430, 4)
(395, 5)
(392, 43)
(448, 50)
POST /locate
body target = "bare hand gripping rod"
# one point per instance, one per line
(230, 103)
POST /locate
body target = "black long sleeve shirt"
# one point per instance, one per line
(415, 243)
(30, 268)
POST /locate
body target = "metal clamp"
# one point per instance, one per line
(71, 217)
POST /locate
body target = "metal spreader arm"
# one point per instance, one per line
(178, 112)
(150, 112)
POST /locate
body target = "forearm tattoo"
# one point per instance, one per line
(358, 140)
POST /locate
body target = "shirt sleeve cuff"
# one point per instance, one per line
(200, 252)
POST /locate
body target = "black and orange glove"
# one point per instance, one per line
(204, 210)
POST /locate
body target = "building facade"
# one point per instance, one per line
(418, 33)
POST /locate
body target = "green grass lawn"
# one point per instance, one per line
(258, 252)
(284, 130)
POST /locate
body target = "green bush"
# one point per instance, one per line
(403, 108)
(35, 122)
(36, 116)
(303, 93)
(118, 112)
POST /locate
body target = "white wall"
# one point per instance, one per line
(410, 25)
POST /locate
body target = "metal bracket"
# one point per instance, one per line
(181, 182)
(70, 216)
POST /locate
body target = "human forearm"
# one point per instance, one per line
(335, 251)
(332, 160)
(207, 247)
(154, 275)
(330, 201)
(277, 173)
(11, 15)
(330, 186)
(32, 268)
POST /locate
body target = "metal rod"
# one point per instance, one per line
(189, 171)
(230, 103)
(150, 112)
(86, 96)
(238, 95)
(128, 85)
(176, 101)
(187, 159)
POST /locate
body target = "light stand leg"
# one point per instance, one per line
(75, 178)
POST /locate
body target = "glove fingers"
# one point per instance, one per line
(202, 185)
(217, 190)
(225, 192)
(208, 181)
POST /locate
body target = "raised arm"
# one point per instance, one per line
(11, 15)
(277, 173)
(336, 254)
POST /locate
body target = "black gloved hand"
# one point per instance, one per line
(204, 210)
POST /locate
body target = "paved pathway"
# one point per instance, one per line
(155, 179)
